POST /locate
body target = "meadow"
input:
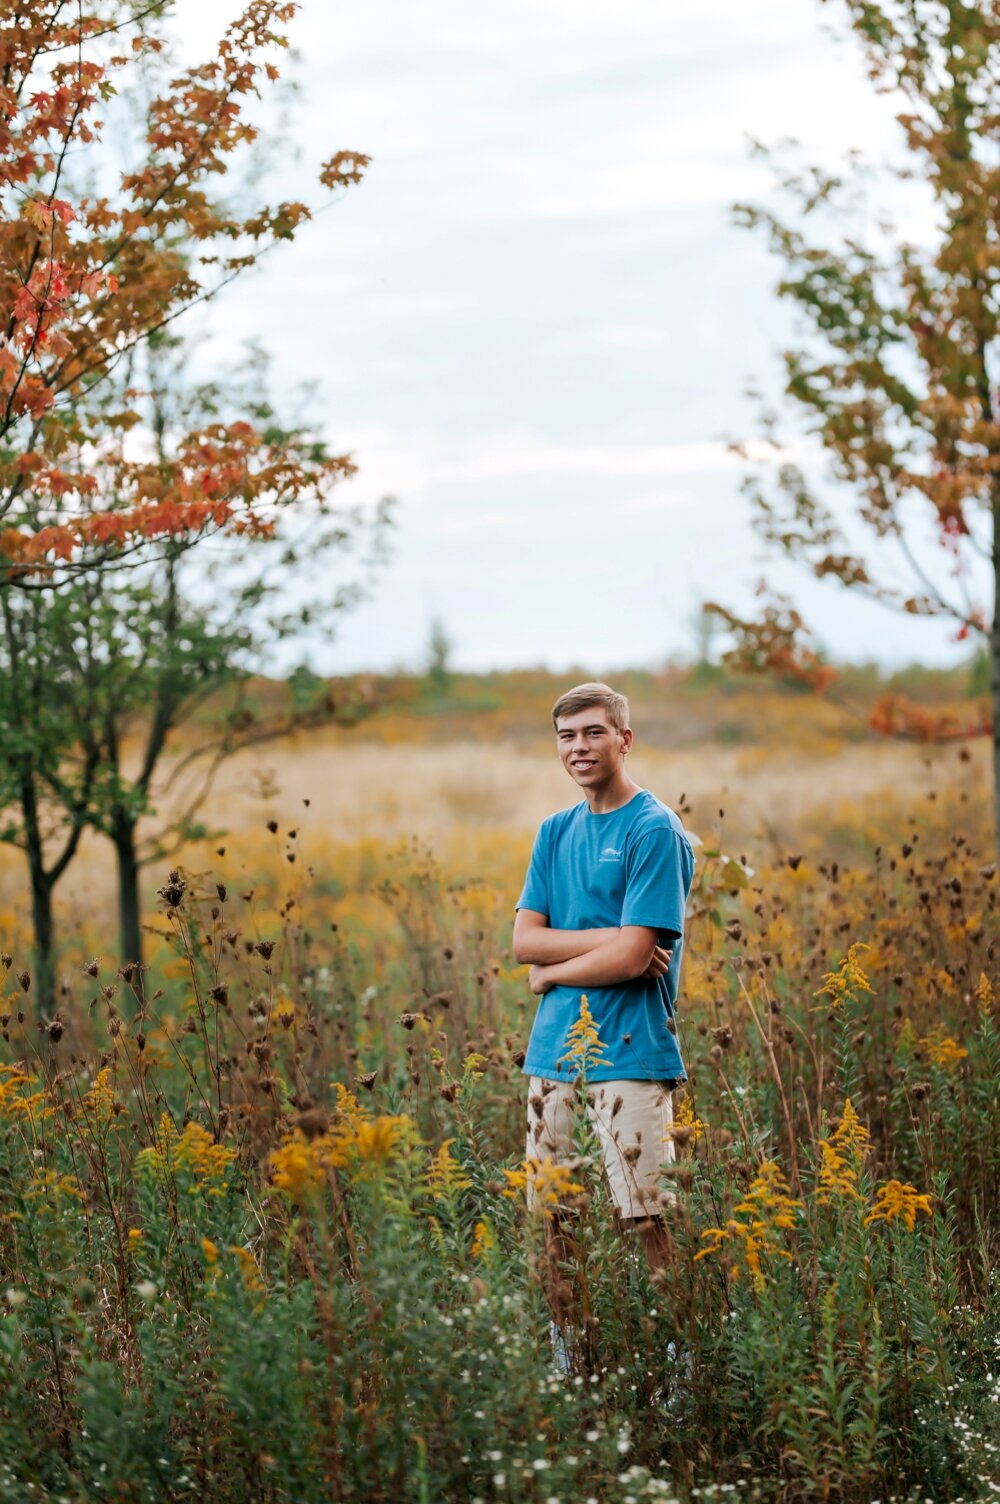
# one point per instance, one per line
(264, 1231)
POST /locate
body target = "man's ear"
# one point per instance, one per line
(626, 738)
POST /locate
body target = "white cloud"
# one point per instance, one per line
(533, 320)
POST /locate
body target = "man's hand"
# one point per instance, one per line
(538, 980)
(658, 964)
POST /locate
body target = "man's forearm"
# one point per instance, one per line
(603, 965)
(544, 947)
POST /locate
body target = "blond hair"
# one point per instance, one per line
(583, 696)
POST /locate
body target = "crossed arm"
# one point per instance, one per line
(585, 958)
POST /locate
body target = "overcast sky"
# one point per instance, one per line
(534, 322)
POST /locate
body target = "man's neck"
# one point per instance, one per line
(603, 798)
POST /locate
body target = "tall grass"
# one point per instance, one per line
(264, 1237)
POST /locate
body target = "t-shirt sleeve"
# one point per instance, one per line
(660, 868)
(535, 893)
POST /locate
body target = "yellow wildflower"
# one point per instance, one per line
(984, 995)
(374, 1139)
(14, 1101)
(48, 1184)
(474, 1065)
(548, 1186)
(157, 1157)
(836, 1178)
(134, 1237)
(897, 1201)
(445, 1176)
(766, 1209)
(585, 1045)
(295, 1166)
(944, 1051)
(687, 1126)
(848, 981)
(347, 1105)
(34, 1107)
(197, 1151)
(11, 1077)
(359, 1144)
(210, 1251)
(249, 1272)
(483, 1241)
(768, 1194)
(851, 1134)
(194, 1150)
(99, 1102)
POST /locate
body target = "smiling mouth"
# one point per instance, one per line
(582, 767)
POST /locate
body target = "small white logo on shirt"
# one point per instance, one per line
(610, 854)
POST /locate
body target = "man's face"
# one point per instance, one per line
(591, 749)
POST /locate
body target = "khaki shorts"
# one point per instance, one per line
(632, 1120)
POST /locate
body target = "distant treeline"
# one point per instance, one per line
(674, 705)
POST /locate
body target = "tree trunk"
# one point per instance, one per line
(995, 671)
(43, 977)
(43, 970)
(129, 908)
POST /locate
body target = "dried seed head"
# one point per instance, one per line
(92, 967)
(173, 890)
(24, 977)
(312, 1122)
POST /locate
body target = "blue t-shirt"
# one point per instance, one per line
(630, 866)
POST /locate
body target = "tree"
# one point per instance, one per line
(163, 640)
(129, 654)
(897, 375)
(45, 797)
(84, 283)
(439, 649)
(86, 280)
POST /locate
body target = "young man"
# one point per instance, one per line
(602, 914)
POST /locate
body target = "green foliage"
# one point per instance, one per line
(270, 1243)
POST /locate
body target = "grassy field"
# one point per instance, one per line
(266, 1238)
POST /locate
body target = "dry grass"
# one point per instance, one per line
(360, 790)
